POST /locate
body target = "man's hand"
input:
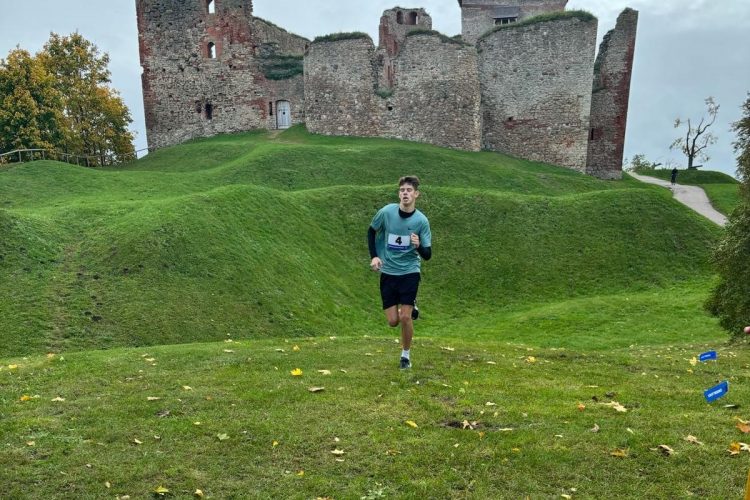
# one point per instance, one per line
(415, 240)
(376, 264)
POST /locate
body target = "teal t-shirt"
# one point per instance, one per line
(393, 241)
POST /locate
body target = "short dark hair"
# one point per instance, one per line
(409, 179)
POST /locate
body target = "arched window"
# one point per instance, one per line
(400, 17)
(411, 18)
(211, 5)
(211, 50)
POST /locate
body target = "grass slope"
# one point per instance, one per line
(260, 237)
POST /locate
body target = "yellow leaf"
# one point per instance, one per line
(137, 441)
(58, 399)
(694, 361)
(693, 440)
(295, 348)
(567, 497)
(666, 450)
(317, 389)
(51, 355)
(617, 406)
(297, 372)
(107, 484)
(30, 443)
(161, 490)
(187, 388)
(301, 473)
(531, 359)
(481, 434)
(581, 406)
(229, 351)
(274, 444)
(412, 423)
(337, 452)
(595, 428)
(152, 398)
(25, 397)
(734, 448)
(449, 349)
(324, 372)
(222, 437)
(489, 403)
(619, 453)
(12, 367)
(196, 423)
(198, 494)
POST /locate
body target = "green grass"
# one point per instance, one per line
(139, 277)
(722, 189)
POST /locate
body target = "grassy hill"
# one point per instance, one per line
(151, 316)
(246, 236)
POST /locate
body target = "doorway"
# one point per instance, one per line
(283, 114)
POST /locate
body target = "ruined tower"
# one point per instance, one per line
(611, 98)
(203, 70)
(480, 16)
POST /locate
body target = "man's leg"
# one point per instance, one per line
(407, 326)
(391, 314)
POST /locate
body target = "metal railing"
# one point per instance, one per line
(27, 155)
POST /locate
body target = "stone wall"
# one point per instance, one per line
(536, 95)
(395, 24)
(436, 94)
(611, 98)
(477, 15)
(188, 94)
(340, 82)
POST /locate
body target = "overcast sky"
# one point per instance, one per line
(686, 50)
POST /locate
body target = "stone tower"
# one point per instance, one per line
(480, 16)
(395, 25)
(203, 69)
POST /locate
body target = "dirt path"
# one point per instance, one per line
(691, 196)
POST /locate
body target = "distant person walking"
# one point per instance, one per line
(398, 238)
(674, 176)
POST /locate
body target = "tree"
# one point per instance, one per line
(730, 300)
(30, 104)
(697, 139)
(97, 118)
(61, 99)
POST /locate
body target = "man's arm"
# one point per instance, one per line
(371, 242)
(425, 252)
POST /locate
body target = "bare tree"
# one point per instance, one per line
(696, 139)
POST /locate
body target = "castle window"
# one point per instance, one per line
(592, 134)
(209, 111)
(211, 6)
(505, 20)
(270, 108)
(400, 17)
(411, 18)
(211, 50)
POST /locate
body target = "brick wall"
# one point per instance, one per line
(611, 97)
(536, 95)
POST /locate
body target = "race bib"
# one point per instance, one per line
(399, 242)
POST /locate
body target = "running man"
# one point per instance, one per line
(398, 238)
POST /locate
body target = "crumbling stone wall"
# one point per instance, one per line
(477, 16)
(611, 97)
(278, 39)
(395, 24)
(189, 94)
(536, 98)
(340, 82)
(436, 93)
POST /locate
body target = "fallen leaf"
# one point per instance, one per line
(150, 360)
(30, 443)
(449, 349)
(274, 444)
(581, 406)
(26, 397)
(481, 434)
(693, 440)
(595, 428)
(152, 398)
(297, 372)
(295, 348)
(324, 372)
(161, 490)
(734, 448)
(222, 437)
(744, 428)
(567, 497)
(107, 484)
(489, 403)
(137, 441)
(619, 453)
(58, 399)
(228, 351)
(187, 388)
(280, 350)
(741, 421)
(665, 450)
(337, 452)
(12, 367)
(617, 406)
(412, 423)
(317, 389)
(199, 494)
(694, 361)
(301, 473)
(505, 429)
(531, 359)
(491, 363)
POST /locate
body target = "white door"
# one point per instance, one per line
(283, 114)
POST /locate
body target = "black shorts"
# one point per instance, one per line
(395, 290)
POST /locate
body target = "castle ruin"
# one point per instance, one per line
(513, 82)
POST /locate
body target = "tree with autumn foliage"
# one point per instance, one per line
(730, 300)
(64, 102)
